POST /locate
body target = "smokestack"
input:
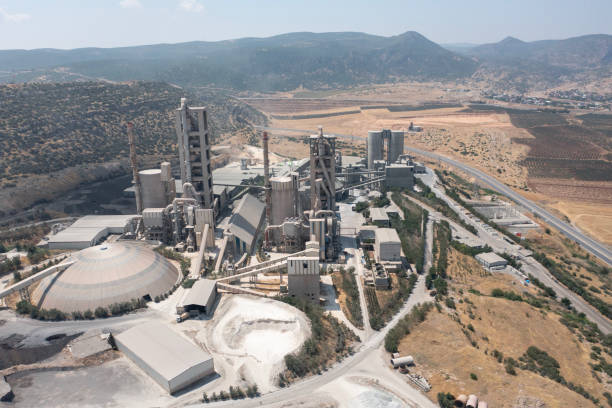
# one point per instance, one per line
(267, 186)
(135, 174)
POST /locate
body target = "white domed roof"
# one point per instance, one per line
(106, 274)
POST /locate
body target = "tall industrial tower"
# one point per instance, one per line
(322, 172)
(194, 150)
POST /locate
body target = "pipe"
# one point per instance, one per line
(137, 186)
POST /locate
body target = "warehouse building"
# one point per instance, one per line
(399, 175)
(303, 277)
(167, 357)
(379, 217)
(490, 260)
(89, 230)
(387, 246)
(201, 297)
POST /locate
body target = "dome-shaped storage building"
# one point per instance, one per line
(106, 274)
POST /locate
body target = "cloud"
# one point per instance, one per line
(191, 5)
(13, 18)
(130, 4)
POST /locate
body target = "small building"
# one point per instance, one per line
(392, 212)
(367, 234)
(491, 260)
(387, 246)
(379, 217)
(246, 222)
(167, 357)
(201, 297)
(381, 277)
(402, 361)
(303, 277)
(399, 175)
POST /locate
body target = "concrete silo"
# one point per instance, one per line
(396, 145)
(375, 147)
(283, 199)
(153, 193)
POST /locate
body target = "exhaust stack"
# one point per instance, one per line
(137, 187)
(267, 185)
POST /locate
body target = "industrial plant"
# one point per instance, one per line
(228, 230)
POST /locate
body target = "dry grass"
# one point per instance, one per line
(446, 356)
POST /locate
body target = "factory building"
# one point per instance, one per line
(387, 245)
(399, 175)
(379, 217)
(200, 298)
(106, 274)
(167, 357)
(490, 260)
(90, 230)
(191, 124)
(303, 277)
(245, 223)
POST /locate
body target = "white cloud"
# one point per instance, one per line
(13, 18)
(130, 4)
(191, 5)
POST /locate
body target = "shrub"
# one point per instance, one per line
(473, 377)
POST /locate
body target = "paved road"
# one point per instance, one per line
(594, 247)
(591, 245)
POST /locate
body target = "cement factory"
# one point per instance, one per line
(238, 225)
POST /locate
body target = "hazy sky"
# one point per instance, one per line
(110, 23)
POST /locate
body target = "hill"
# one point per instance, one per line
(545, 63)
(49, 127)
(282, 62)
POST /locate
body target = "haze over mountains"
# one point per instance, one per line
(319, 61)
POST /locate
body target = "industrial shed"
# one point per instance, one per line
(167, 357)
(200, 297)
(89, 230)
(387, 245)
(246, 222)
(491, 260)
(379, 217)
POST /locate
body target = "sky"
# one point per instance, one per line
(28, 24)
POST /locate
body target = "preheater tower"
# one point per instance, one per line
(194, 150)
(322, 172)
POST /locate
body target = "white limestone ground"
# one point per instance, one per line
(250, 336)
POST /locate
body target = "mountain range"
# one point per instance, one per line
(318, 61)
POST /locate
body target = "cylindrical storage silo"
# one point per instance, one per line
(483, 404)
(402, 361)
(282, 199)
(396, 145)
(375, 147)
(472, 401)
(153, 194)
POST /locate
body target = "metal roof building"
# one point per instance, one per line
(106, 274)
(491, 260)
(246, 221)
(201, 297)
(387, 245)
(89, 230)
(167, 357)
(379, 217)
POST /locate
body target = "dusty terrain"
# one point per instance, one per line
(450, 345)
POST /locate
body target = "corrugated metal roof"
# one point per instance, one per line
(200, 292)
(246, 218)
(387, 235)
(490, 257)
(90, 227)
(162, 349)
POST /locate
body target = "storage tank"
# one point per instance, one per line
(375, 147)
(153, 194)
(472, 401)
(483, 404)
(396, 145)
(402, 361)
(282, 199)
